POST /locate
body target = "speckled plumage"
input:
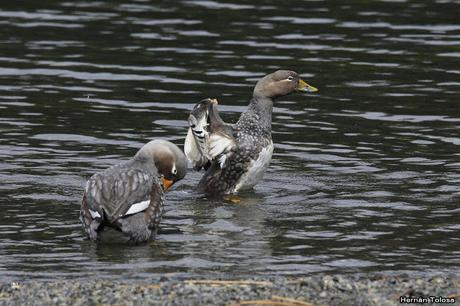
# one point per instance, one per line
(129, 197)
(245, 154)
(252, 133)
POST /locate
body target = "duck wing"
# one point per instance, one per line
(209, 138)
(120, 191)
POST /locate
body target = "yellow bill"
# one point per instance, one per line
(302, 86)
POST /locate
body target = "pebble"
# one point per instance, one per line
(317, 289)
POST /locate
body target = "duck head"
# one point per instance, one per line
(281, 83)
(169, 160)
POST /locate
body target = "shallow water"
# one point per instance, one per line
(365, 175)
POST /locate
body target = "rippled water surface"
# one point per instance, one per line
(365, 175)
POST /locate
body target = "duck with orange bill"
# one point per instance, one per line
(128, 198)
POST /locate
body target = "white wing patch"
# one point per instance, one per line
(94, 214)
(222, 160)
(138, 207)
(219, 144)
(190, 148)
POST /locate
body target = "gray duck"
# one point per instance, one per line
(236, 156)
(129, 197)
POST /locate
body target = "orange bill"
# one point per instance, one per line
(166, 183)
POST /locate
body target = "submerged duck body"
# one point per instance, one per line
(237, 156)
(129, 197)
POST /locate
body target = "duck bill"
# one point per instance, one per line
(166, 183)
(302, 86)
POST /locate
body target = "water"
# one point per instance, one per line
(365, 175)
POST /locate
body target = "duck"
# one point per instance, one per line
(236, 156)
(129, 197)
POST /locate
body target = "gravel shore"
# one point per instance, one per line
(281, 291)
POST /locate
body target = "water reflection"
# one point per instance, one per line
(364, 177)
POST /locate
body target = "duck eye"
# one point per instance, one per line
(290, 78)
(174, 171)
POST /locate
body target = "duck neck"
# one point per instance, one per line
(262, 107)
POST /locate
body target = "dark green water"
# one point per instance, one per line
(365, 175)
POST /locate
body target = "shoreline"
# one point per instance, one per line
(282, 291)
